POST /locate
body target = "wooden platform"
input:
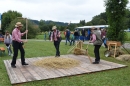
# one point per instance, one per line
(31, 72)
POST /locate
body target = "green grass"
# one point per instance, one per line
(118, 77)
(41, 36)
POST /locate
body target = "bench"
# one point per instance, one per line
(2, 50)
(1, 39)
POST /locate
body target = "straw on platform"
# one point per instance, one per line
(78, 51)
(57, 62)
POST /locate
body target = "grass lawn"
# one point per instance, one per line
(117, 77)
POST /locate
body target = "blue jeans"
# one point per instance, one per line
(83, 38)
(72, 41)
(67, 39)
(76, 38)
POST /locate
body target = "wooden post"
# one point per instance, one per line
(26, 23)
(26, 27)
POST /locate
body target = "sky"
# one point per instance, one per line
(55, 10)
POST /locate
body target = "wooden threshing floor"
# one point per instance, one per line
(31, 72)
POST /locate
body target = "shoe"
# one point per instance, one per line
(25, 64)
(13, 66)
(57, 56)
(95, 62)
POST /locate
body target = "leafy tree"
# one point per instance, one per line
(102, 22)
(103, 16)
(95, 20)
(128, 18)
(71, 27)
(82, 22)
(116, 13)
(41, 25)
(89, 23)
(46, 28)
(100, 19)
(7, 17)
(33, 29)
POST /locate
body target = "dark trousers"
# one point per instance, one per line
(83, 38)
(9, 49)
(18, 46)
(57, 44)
(67, 39)
(96, 52)
(72, 41)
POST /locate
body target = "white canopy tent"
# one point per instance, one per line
(96, 26)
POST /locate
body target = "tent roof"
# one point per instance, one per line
(96, 26)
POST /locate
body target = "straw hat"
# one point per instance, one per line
(18, 24)
(54, 27)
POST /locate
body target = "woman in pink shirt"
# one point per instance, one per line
(97, 42)
(18, 44)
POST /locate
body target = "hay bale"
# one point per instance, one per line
(78, 51)
(57, 63)
(124, 58)
(118, 52)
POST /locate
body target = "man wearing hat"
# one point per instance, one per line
(17, 44)
(55, 38)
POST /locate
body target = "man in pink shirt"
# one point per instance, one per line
(18, 44)
(55, 38)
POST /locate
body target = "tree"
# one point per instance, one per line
(82, 22)
(33, 29)
(102, 22)
(41, 25)
(103, 16)
(95, 20)
(89, 23)
(116, 13)
(7, 17)
(128, 18)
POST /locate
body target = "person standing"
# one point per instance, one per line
(103, 36)
(18, 44)
(97, 42)
(55, 38)
(76, 35)
(8, 42)
(67, 36)
(72, 38)
(83, 32)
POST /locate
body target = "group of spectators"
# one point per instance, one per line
(71, 37)
(97, 37)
